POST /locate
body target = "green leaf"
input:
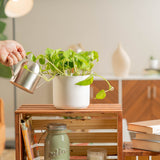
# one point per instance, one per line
(101, 94)
(86, 82)
(33, 57)
(2, 26)
(82, 58)
(49, 51)
(28, 53)
(42, 61)
(67, 53)
(2, 13)
(95, 55)
(5, 71)
(3, 37)
(25, 67)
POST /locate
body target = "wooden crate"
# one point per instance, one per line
(88, 127)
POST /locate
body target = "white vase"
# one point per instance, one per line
(67, 95)
(121, 62)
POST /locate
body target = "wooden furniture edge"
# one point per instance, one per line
(120, 137)
(18, 138)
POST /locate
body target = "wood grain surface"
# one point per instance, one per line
(111, 97)
(100, 116)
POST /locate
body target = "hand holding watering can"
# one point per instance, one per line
(11, 53)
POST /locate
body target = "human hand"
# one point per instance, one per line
(11, 52)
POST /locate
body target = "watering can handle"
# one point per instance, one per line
(12, 70)
(21, 62)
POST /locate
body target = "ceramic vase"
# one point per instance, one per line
(68, 95)
(121, 62)
(154, 63)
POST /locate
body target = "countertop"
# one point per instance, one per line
(130, 77)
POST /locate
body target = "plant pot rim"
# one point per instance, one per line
(73, 76)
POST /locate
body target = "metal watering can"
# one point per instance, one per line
(24, 79)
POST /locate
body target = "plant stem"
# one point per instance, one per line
(110, 86)
(54, 66)
(74, 65)
(63, 69)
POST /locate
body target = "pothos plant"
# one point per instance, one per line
(69, 63)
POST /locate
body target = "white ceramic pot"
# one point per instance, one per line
(154, 63)
(67, 95)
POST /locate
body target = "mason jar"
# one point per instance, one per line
(56, 143)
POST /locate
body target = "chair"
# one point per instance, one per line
(2, 127)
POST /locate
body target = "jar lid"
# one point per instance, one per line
(56, 126)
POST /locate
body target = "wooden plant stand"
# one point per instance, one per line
(81, 122)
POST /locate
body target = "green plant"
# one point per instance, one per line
(69, 63)
(5, 72)
(2, 23)
(151, 57)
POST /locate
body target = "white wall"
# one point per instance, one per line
(99, 25)
(6, 90)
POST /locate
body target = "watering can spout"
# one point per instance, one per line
(26, 79)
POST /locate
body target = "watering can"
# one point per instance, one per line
(26, 79)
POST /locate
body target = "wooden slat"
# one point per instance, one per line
(93, 137)
(83, 158)
(50, 109)
(70, 114)
(130, 158)
(82, 150)
(143, 158)
(80, 158)
(74, 124)
(87, 137)
(155, 157)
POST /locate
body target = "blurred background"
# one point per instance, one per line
(97, 25)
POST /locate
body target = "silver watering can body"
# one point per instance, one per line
(26, 79)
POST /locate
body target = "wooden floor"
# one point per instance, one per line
(8, 155)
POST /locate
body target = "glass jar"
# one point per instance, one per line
(56, 143)
(96, 154)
